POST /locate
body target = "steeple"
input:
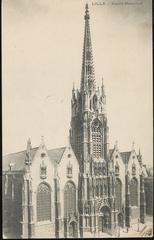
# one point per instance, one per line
(103, 90)
(87, 76)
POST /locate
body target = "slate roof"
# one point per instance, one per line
(56, 154)
(17, 159)
(110, 152)
(125, 156)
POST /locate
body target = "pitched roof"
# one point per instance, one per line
(56, 154)
(17, 159)
(125, 156)
(110, 152)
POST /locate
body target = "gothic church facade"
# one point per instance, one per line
(83, 188)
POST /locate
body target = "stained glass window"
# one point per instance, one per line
(69, 198)
(43, 203)
(134, 192)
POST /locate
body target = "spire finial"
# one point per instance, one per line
(42, 141)
(116, 144)
(103, 90)
(86, 12)
(133, 145)
(139, 152)
(102, 81)
(73, 86)
(28, 158)
(29, 144)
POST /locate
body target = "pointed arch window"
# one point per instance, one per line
(118, 194)
(69, 198)
(43, 203)
(134, 192)
(97, 139)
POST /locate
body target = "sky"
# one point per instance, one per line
(42, 44)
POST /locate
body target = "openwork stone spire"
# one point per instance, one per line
(87, 76)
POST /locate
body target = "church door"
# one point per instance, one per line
(73, 230)
(120, 220)
(105, 219)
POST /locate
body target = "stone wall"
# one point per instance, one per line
(148, 187)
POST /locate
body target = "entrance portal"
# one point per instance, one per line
(73, 229)
(105, 220)
(120, 220)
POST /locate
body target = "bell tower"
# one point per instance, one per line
(89, 130)
(89, 140)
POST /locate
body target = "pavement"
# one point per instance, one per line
(136, 230)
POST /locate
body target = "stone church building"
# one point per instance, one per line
(80, 189)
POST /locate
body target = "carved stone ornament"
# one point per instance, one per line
(43, 170)
(69, 170)
(133, 169)
(117, 169)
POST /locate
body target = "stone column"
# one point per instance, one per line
(142, 200)
(127, 199)
(31, 224)
(57, 209)
(81, 224)
(24, 221)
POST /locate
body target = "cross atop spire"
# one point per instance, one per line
(87, 76)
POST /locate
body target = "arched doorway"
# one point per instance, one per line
(73, 230)
(120, 220)
(105, 219)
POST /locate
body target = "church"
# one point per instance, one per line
(82, 189)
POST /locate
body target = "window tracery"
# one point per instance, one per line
(43, 203)
(96, 139)
(134, 192)
(69, 198)
(118, 194)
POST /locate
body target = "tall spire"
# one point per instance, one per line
(87, 76)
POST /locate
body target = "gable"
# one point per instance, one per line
(17, 160)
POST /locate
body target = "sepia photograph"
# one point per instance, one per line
(77, 119)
